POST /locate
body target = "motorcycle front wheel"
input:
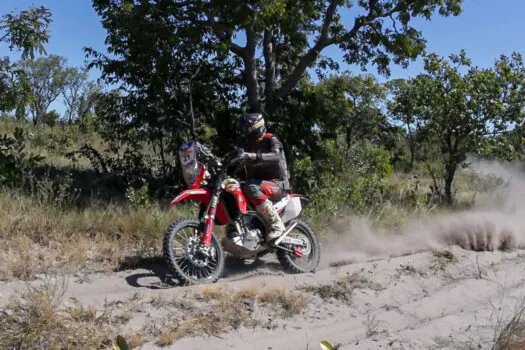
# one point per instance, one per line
(189, 261)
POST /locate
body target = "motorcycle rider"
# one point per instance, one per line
(266, 171)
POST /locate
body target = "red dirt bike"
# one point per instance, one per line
(191, 247)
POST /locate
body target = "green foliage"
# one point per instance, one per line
(457, 113)
(27, 30)
(51, 118)
(277, 35)
(138, 196)
(352, 180)
(10, 88)
(351, 106)
(14, 158)
(120, 343)
(180, 92)
(47, 78)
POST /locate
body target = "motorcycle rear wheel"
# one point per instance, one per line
(294, 264)
(185, 257)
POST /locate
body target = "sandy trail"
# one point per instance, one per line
(418, 306)
(414, 300)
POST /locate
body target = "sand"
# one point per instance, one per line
(415, 299)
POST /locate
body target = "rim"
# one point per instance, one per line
(194, 261)
(307, 251)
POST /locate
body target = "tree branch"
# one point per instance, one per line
(361, 21)
(312, 54)
(224, 33)
(250, 70)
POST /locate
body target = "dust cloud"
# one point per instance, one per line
(495, 221)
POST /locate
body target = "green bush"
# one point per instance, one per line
(352, 179)
(14, 158)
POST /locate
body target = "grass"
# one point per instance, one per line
(35, 320)
(42, 318)
(283, 302)
(38, 236)
(442, 259)
(342, 290)
(216, 310)
(510, 334)
(371, 325)
(47, 233)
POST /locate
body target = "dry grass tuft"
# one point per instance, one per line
(343, 289)
(249, 293)
(136, 340)
(215, 311)
(35, 320)
(39, 236)
(166, 338)
(213, 293)
(284, 302)
(442, 259)
(510, 334)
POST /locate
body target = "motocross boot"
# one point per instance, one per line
(272, 219)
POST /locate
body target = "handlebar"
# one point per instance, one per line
(226, 162)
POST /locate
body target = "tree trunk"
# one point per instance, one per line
(412, 147)
(162, 156)
(348, 136)
(250, 72)
(38, 115)
(270, 64)
(449, 179)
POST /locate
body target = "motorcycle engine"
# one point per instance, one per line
(250, 240)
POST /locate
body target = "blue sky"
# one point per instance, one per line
(486, 29)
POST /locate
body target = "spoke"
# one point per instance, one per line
(184, 264)
(188, 234)
(195, 271)
(181, 254)
(210, 271)
(177, 244)
(186, 269)
(177, 241)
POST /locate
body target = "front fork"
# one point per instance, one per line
(208, 220)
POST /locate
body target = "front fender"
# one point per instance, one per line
(199, 195)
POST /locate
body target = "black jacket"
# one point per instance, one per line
(271, 161)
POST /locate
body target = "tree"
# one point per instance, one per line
(403, 108)
(359, 116)
(281, 39)
(47, 78)
(169, 88)
(72, 92)
(463, 108)
(9, 87)
(86, 102)
(27, 31)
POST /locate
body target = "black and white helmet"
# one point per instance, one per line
(251, 126)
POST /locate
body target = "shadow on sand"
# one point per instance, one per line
(159, 276)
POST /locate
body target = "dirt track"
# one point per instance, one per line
(430, 286)
(418, 301)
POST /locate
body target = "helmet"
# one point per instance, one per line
(251, 126)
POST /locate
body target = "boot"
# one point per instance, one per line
(273, 221)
